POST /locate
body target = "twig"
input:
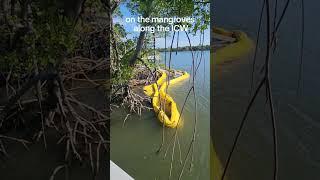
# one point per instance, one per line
(56, 170)
(125, 119)
(299, 88)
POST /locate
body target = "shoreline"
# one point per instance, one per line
(185, 48)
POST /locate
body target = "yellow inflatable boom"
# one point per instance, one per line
(149, 90)
(242, 46)
(163, 104)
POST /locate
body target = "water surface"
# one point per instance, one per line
(134, 146)
(297, 118)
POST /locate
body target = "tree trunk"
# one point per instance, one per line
(154, 48)
(72, 8)
(13, 7)
(136, 54)
(24, 9)
(3, 11)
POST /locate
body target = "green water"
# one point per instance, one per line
(134, 146)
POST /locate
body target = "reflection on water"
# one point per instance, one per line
(297, 118)
(134, 146)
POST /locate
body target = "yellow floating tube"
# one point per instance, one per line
(216, 167)
(242, 46)
(149, 90)
(166, 108)
(163, 104)
(184, 76)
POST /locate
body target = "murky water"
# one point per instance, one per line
(134, 146)
(297, 118)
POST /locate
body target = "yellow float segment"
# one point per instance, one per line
(184, 76)
(216, 167)
(163, 104)
(149, 90)
(242, 46)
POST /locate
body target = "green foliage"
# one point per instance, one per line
(123, 75)
(52, 39)
(201, 15)
(178, 8)
(47, 38)
(121, 51)
(161, 8)
(153, 8)
(122, 72)
(119, 30)
(96, 5)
